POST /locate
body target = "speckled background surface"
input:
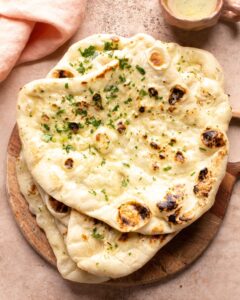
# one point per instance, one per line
(216, 275)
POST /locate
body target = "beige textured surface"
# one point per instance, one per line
(24, 275)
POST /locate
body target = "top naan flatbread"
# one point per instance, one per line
(138, 142)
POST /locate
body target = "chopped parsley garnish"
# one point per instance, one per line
(111, 124)
(47, 138)
(68, 148)
(105, 194)
(60, 112)
(69, 98)
(122, 78)
(202, 149)
(111, 88)
(123, 63)
(97, 235)
(91, 91)
(66, 85)
(140, 70)
(81, 69)
(94, 122)
(126, 165)
(142, 93)
(46, 127)
(103, 161)
(128, 101)
(167, 168)
(90, 51)
(116, 107)
(192, 173)
(112, 247)
(92, 192)
(125, 182)
(108, 46)
(80, 111)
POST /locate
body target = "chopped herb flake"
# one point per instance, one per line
(123, 63)
(68, 148)
(125, 182)
(128, 101)
(90, 51)
(47, 138)
(97, 235)
(142, 93)
(140, 70)
(122, 79)
(92, 192)
(108, 46)
(167, 168)
(46, 127)
(116, 107)
(81, 69)
(105, 194)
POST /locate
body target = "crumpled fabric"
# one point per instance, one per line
(32, 29)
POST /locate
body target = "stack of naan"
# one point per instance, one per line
(123, 145)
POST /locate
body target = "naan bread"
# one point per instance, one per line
(67, 268)
(138, 142)
(104, 251)
(95, 247)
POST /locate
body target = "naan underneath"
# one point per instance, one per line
(66, 266)
(93, 246)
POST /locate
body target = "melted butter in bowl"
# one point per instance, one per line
(192, 9)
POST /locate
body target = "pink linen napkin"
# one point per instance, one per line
(31, 29)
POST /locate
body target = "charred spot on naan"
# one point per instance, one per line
(121, 127)
(153, 92)
(176, 94)
(58, 206)
(69, 163)
(73, 126)
(84, 237)
(102, 142)
(212, 138)
(172, 200)
(179, 157)
(153, 239)
(157, 58)
(204, 185)
(62, 74)
(97, 100)
(45, 118)
(154, 146)
(133, 215)
(123, 237)
(32, 190)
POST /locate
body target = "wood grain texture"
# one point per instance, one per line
(177, 255)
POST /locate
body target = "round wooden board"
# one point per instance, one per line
(177, 255)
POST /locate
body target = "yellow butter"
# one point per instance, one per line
(192, 9)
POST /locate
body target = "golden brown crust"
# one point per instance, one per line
(133, 215)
